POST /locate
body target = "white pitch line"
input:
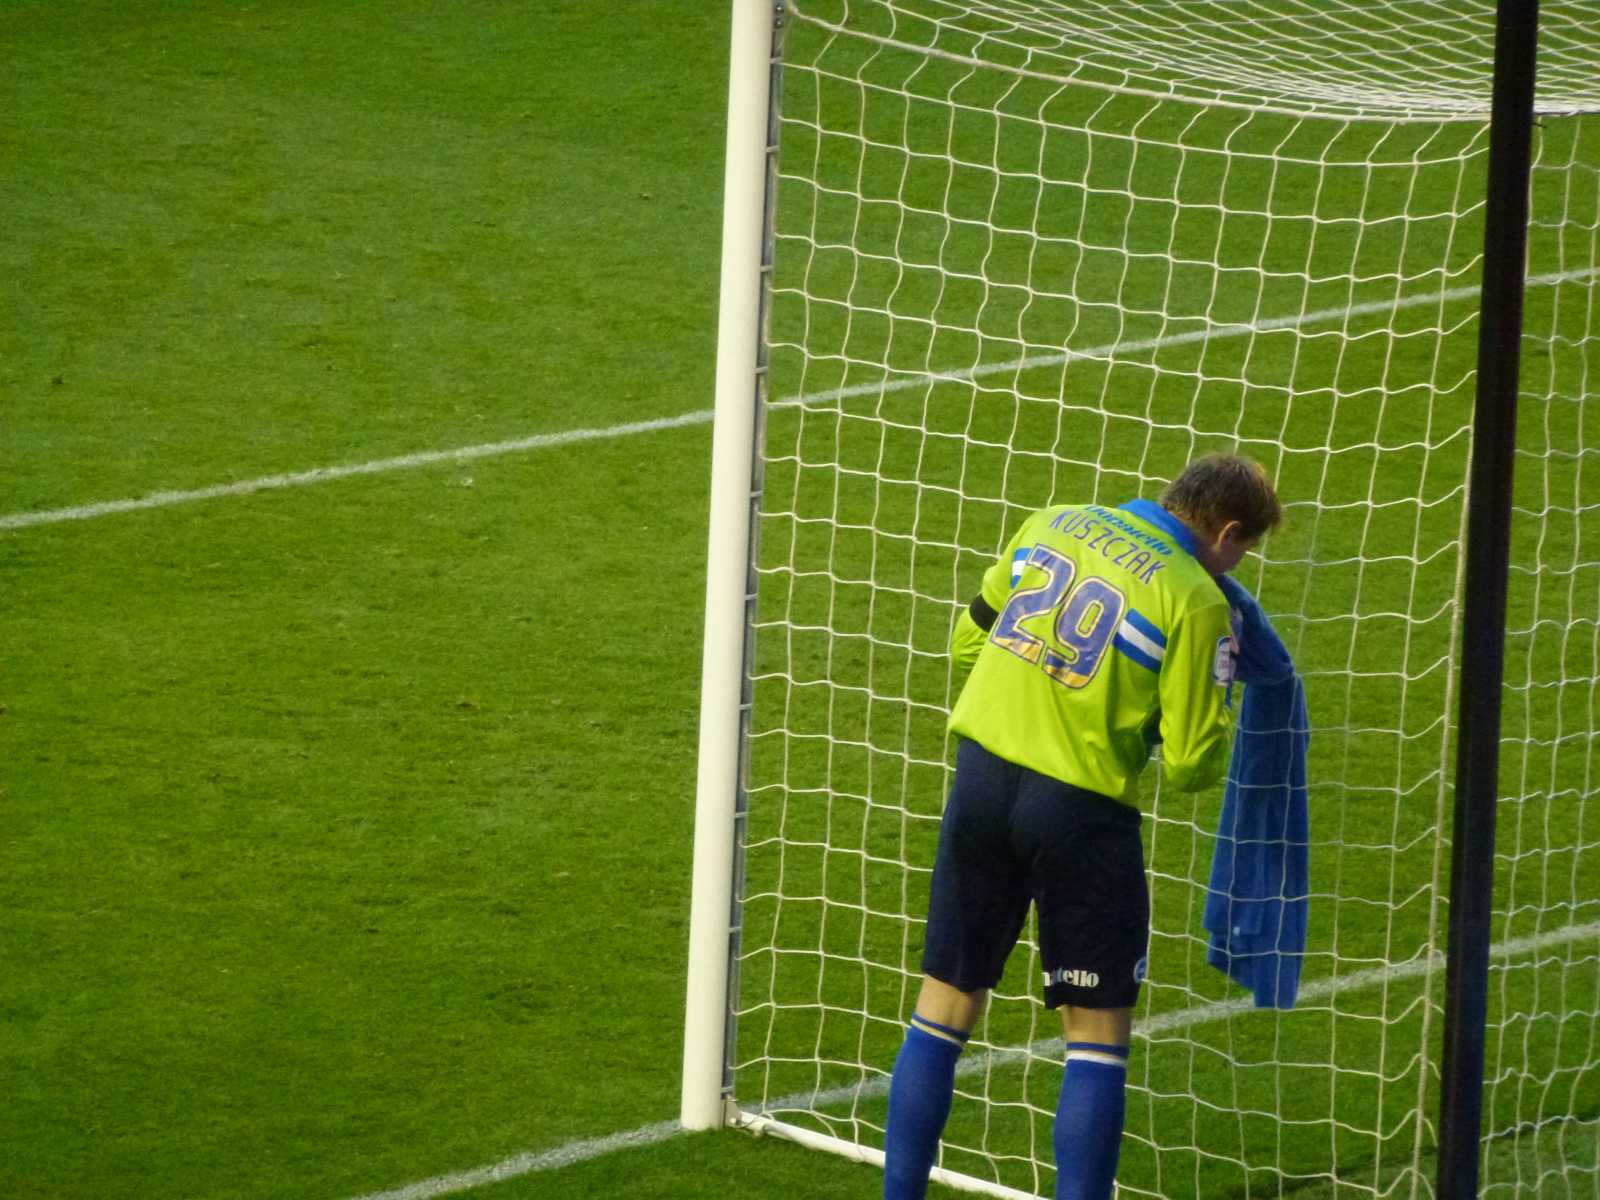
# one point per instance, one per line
(1188, 1018)
(85, 512)
(1048, 1048)
(538, 441)
(1208, 333)
(526, 1164)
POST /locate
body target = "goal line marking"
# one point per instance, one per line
(573, 1153)
(894, 383)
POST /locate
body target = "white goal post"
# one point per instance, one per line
(722, 684)
(981, 256)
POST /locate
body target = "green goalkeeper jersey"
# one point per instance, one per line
(1107, 634)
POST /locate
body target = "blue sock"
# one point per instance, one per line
(919, 1104)
(1089, 1118)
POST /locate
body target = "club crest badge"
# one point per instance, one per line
(1222, 664)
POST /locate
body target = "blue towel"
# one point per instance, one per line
(1256, 909)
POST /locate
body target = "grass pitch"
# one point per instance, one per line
(344, 838)
(344, 829)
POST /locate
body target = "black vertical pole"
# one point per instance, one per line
(1484, 605)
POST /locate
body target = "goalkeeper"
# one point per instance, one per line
(1097, 633)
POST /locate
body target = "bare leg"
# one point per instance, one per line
(944, 1005)
(1103, 1026)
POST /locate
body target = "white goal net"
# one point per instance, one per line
(1040, 252)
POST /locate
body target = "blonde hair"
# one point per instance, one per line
(1218, 488)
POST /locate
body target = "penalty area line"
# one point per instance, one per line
(890, 383)
(380, 466)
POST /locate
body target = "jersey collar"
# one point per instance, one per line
(1150, 511)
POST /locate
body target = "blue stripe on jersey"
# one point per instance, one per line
(1139, 638)
(1145, 626)
(1018, 561)
(1135, 653)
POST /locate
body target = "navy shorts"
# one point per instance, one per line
(1011, 837)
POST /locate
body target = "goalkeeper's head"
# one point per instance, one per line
(1228, 502)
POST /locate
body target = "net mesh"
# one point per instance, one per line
(1035, 253)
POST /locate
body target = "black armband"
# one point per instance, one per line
(983, 616)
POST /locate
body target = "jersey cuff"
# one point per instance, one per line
(983, 615)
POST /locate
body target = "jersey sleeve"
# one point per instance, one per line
(1196, 723)
(967, 638)
(1002, 574)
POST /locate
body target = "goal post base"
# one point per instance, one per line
(760, 1125)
